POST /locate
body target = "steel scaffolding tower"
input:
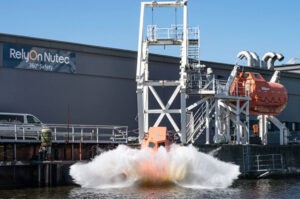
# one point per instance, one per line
(155, 37)
(214, 99)
(174, 35)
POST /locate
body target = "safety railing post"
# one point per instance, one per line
(23, 133)
(16, 137)
(55, 133)
(73, 134)
(97, 135)
(126, 135)
(257, 160)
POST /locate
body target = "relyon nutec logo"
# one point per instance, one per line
(36, 58)
(33, 56)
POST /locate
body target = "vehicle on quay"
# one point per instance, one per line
(20, 126)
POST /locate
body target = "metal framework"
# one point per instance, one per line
(162, 36)
(264, 119)
(215, 99)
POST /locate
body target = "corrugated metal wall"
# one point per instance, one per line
(103, 89)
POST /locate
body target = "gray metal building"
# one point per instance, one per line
(100, 88)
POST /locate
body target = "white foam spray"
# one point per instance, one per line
(184, 166)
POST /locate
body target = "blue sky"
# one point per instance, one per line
(227, 26)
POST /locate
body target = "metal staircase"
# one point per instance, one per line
(194, 47)
(197, 122)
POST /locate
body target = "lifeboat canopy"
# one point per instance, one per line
(267, 98)
(157, 137)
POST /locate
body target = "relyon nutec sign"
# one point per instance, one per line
(28, 57)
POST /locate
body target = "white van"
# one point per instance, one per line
(18, 125)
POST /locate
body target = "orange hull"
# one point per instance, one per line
(157, 137)
(155, 169)
(266, 97)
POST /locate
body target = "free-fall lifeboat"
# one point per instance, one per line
(266, 97)
(156, 137)
(155, 169)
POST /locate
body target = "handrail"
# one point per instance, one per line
(267, 162)
(174, 32)
(65, 133)
(199, 122)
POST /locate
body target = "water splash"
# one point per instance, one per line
(184, 166)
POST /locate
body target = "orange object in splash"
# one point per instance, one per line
(156, 137)
(266, 97)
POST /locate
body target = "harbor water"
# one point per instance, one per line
(184, 166)
(258, 189)
(181, 172)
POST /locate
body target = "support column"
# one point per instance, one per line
(46, 174)
(184, 64)
(145, 87)
(183, 117)
(141, 122)
(15, 152)
(207, 121)
(228, 126)
(265, 129)
(72, 151)
(216, 117)
(139, 80)
(146, 106)
(238, 128)
(262, 128)
(247, 123)
(281, 136)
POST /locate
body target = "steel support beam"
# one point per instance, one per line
(207, 121)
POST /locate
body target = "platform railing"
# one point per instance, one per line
(196, 126)
(220, 87)
(61, 133)
(241, 89)
(175, 32)
(268, 162)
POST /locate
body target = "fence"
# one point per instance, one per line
(73, 133)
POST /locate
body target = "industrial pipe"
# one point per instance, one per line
(255, 58)
(266, 60)
(269, 59)
(280, 57)
(245, 54)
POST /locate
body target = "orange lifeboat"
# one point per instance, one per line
(156, 137)
(154, 169)
(266, 97)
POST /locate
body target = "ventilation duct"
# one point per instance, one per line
(255, 58)
(269, 59)
(245, 54)
(280, 57)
